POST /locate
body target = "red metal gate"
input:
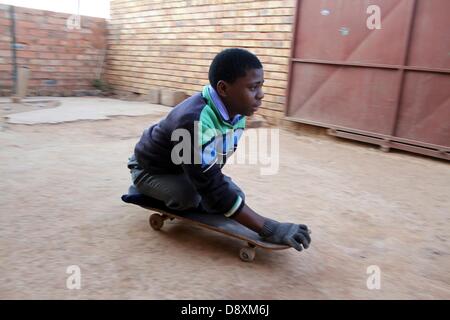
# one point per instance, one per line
(389, 86)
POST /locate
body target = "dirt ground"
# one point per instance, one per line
(60, 206)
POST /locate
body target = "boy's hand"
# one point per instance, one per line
(294, 235)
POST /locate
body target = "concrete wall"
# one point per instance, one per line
(170, 44)
(62, 61)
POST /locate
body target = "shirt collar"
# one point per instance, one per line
(217, 102)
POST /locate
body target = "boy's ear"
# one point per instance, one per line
(222, 88)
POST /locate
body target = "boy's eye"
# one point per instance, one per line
(255, 87)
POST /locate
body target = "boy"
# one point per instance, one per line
(179, 160)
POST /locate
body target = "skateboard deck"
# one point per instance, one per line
(214, 222)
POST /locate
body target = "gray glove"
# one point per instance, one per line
(294, 235)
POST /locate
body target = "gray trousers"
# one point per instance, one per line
(175, 190)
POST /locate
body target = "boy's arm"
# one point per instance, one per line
(294, 235)
(250, 219)
(209, 181)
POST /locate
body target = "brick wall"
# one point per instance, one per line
(6, 68)
(170, 44)
(62, 61)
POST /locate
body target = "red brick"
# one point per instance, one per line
(74, 35)
(5, 22)
(28, 11)
(4, 11)
(5, 53)
(54, 62)
(66, 56)
(37, 19)
(66, 69)
(25, 24)
(23, 61)
(59, 15)
(6, 83)
(38, 33)
(5, 31)
(57, 21)
(46, 55)
(60, 35)
(52, 51)
(58, 49)
(47, 41)
(26, 54)
(4, 67)
(48, 69)
(75, 50)
(74, 63)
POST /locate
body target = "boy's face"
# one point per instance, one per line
(244, 95)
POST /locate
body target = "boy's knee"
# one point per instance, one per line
(184, 202)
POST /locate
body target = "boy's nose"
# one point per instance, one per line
(260, 95)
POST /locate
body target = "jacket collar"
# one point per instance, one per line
(214, 100)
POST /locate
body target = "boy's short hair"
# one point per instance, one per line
(231, 64)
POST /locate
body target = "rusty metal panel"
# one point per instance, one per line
(425, 110)
(337, 31)
(353, 97)
(388, 86)
(430, 39)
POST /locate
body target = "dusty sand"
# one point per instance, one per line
(60, 205)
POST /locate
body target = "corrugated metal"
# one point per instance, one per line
(388, 86)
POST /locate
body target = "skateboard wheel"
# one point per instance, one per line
(247, 254)
(156, 221)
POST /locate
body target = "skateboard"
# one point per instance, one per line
(214, 222)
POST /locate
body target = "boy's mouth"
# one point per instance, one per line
(256, 106)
